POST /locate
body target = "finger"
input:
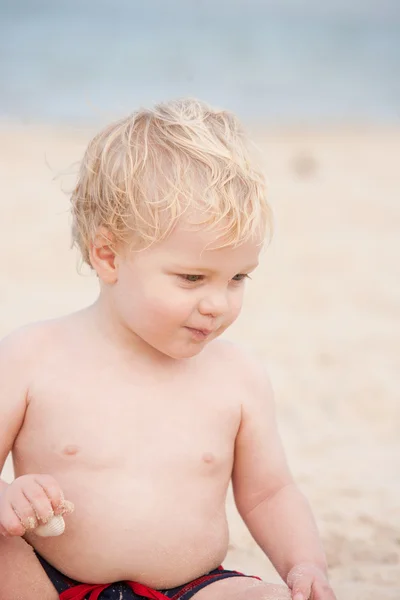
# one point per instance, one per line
(24, 511)
(3, 532)
(10, 522)
(52, 490)
(301, 587)
(67, 508)
(39, 502)
(322, 591)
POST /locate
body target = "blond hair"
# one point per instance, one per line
(140, 175)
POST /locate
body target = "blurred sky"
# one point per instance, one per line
(286, 61)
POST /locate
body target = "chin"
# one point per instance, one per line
(188, 352)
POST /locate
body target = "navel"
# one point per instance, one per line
(71, 450)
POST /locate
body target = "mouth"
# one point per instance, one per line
(199, 334)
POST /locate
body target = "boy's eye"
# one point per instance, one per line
(192, 278)
(197, 278)
(240, 277)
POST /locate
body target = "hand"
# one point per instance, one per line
(308, 582)
(29, 501)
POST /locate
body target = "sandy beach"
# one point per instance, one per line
(323, 311)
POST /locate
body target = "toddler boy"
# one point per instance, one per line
(132, 408)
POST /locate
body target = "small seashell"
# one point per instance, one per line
(55, 526)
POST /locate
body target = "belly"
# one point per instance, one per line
(161, 534)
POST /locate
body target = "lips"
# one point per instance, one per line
(203, 331)
(200, 333)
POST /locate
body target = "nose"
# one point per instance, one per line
(215, 304)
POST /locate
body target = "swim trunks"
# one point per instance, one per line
(69, 589)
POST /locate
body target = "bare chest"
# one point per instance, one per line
(103, 423)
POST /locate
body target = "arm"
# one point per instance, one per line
(21, 574)
(273, 508)
(13, 394)
(31, 497)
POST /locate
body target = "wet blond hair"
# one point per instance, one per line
(140, 175)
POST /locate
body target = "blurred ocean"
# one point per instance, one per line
(84, 61)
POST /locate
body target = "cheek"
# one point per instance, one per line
(148, 303)
(173, 306)
(236, 305)
(159, 309)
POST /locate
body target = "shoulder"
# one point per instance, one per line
(25, 344)
(243, 365)
(18, 342)
(27, 334)
(18, 355)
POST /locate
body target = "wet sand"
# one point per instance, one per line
(323, 311)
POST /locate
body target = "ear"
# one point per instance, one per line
(103, 257)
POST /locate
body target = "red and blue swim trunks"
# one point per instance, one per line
(69, 589)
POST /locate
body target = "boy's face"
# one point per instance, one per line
(182, 293)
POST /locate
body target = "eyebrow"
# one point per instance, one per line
(188, 269)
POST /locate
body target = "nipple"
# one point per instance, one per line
(71, 450)
(208, 457)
